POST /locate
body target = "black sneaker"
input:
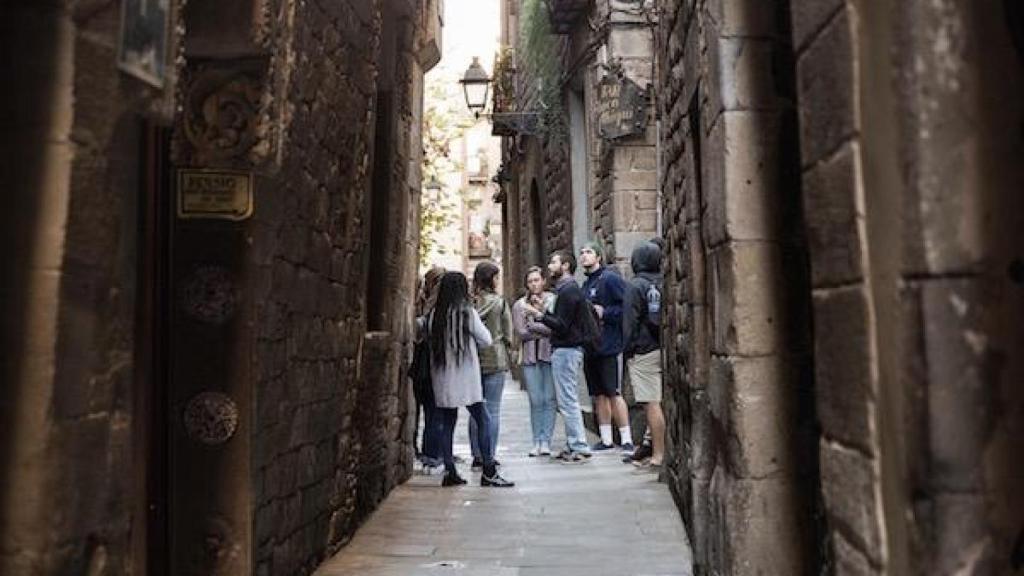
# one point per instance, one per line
(477, 463)
(452, 479)
(601, 447)
(573, 457)
(642, 452)
(495, 481)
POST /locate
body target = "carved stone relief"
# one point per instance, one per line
(211, 418)
(209, 295)
(223, 117)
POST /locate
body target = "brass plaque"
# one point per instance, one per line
(223, 194)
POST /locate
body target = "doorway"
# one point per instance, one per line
(149, 544)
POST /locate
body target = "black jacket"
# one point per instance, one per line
(566, 321)
(640, 336)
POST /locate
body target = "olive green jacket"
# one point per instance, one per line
(497, 317)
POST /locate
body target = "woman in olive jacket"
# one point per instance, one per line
(494, 363)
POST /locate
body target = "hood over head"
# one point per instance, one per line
(646, 258)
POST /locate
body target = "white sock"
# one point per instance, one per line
(625, 435)
(606, 434)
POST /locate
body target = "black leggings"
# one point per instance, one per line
(449, 417)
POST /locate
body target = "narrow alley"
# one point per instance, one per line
(783, 237)
(602, 518)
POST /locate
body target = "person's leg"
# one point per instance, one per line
(494, 387)
(611, 371)
(433, 431)
(534, 380)
(489, 476)
(656, 424)
(548, 405)
(474, 442)
(479, 414)
(448, 416)
(565, 365)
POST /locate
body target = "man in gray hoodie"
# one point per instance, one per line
(641, 334)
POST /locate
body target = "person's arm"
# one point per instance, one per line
(631, 313)
(506, 322)
(561, 318)
(537, 329)
(615, 288)
(521, 322)
(480, 332)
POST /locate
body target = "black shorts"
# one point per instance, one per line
(603, 375)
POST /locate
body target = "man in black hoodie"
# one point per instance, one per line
(569, 331)
(641, 332)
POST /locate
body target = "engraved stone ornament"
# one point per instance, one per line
(222, 115)
(211, 418)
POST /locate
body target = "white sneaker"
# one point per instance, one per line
(535, 452)
(545, 449)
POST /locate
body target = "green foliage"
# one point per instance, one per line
(445, 119)
(541, 62)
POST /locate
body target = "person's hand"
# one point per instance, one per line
(600, 310)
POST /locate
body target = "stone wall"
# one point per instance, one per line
(738, 390)
(334, 414)
(623, 182)
(70, 175)
(270, 312)
(911, 204)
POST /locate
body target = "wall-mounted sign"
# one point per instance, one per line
(621, 107)
(223, 194)
(142, 50)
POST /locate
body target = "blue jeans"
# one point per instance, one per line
(565, 367)
(494, 385)
(432, 431)
(448, 417)
(540, 386)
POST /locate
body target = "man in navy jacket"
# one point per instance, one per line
(604, 288)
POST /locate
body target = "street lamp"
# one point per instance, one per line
(475, 84)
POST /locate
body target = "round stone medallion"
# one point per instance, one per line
(209, 295)
(211, 418)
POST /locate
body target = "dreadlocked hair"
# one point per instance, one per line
(449, 326)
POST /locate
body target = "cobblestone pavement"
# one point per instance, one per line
(599, 518)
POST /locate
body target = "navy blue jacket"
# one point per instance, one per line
(605, 287)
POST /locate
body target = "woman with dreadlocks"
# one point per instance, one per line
(455, 331)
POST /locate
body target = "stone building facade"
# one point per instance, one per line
(838, 165)
(740, 397)
(837, 191)
(564, 183)
(911, 186)
(207, 395)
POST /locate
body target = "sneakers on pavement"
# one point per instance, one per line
(452, 479)
(644, 451)
(571, 457)
(601, 447)
(495, 481)
(535, 452)
(628, 447)
(545, 449)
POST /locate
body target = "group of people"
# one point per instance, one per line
(464, 350)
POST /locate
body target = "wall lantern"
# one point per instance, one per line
(475, 83)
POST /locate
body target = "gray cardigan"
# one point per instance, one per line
(458, 384)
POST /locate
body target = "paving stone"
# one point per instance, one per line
(598, 510)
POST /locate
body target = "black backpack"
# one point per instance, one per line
(419, 372)
(591, 328)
